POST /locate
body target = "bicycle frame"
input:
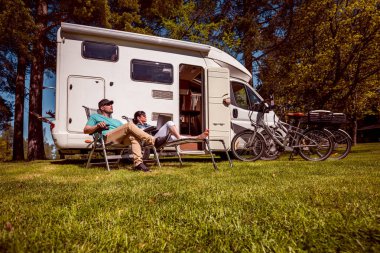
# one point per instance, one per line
(292, 133)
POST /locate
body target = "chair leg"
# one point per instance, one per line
(90, 155)
(228, 156)
(179, 155)
(156, 156)
(118, 160)
(212, 155)
(105, 155)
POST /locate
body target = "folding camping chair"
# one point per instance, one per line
(98, 144)
(162, 119)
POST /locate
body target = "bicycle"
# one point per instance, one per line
(248, 145)
(310, 144)
(323, 120)
(342, 140)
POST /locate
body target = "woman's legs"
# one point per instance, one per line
(167, 128)
(170, 127)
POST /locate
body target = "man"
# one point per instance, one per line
(116, 132)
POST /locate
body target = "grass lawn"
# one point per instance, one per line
(281, 206)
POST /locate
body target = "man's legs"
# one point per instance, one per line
(136, 150)
(127, 134)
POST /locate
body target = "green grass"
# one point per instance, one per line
(282, 206)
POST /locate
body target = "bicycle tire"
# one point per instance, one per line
(342, 144)
(248, 153)
(315, 145)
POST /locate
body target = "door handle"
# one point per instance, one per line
(220, 124)
(235, 113)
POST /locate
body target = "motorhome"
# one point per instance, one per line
(197, 85)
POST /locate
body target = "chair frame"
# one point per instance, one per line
(179, 142)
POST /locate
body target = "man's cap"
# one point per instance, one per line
(104, 102)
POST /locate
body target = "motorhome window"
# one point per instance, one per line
(100, 51)
(240, 98)
(155, 72)
(253, 98)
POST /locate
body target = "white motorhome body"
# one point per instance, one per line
(187, 81)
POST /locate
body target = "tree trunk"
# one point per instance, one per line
(35, 130)
(18, 140)
(35, 135)
(355, 132)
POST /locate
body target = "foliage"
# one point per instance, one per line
(16, 36)
(191, 21)
(246, 28)
(88, 12)
(16, 26)
(5, 114)
(125, 16)
(263, 206)
(329, 58)
(6, 143)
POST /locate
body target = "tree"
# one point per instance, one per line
(329, 58)
(196, 21)
(191, 21)
(35, 131)
(125, 16)
(6, 143)
(15, 30)
(246, 30)
(18, 144)
(5, 114)
(6, 86)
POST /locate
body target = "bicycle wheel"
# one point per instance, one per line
(315, 145)
(272, 151)
(248, 145)
(342, 144)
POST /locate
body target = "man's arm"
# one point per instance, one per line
(92, 129)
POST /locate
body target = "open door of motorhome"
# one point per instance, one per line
(82, 91)
(219, 119)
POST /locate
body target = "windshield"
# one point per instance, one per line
(242, 96)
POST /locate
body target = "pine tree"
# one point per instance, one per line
(15, 30)
(35, 130)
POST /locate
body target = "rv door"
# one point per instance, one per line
(219, 119)
(82, 91)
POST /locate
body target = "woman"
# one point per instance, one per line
(169, 127)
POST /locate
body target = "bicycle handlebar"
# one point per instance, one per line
(260, 107)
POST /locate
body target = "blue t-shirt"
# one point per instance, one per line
(142, 126)
(96, 118)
